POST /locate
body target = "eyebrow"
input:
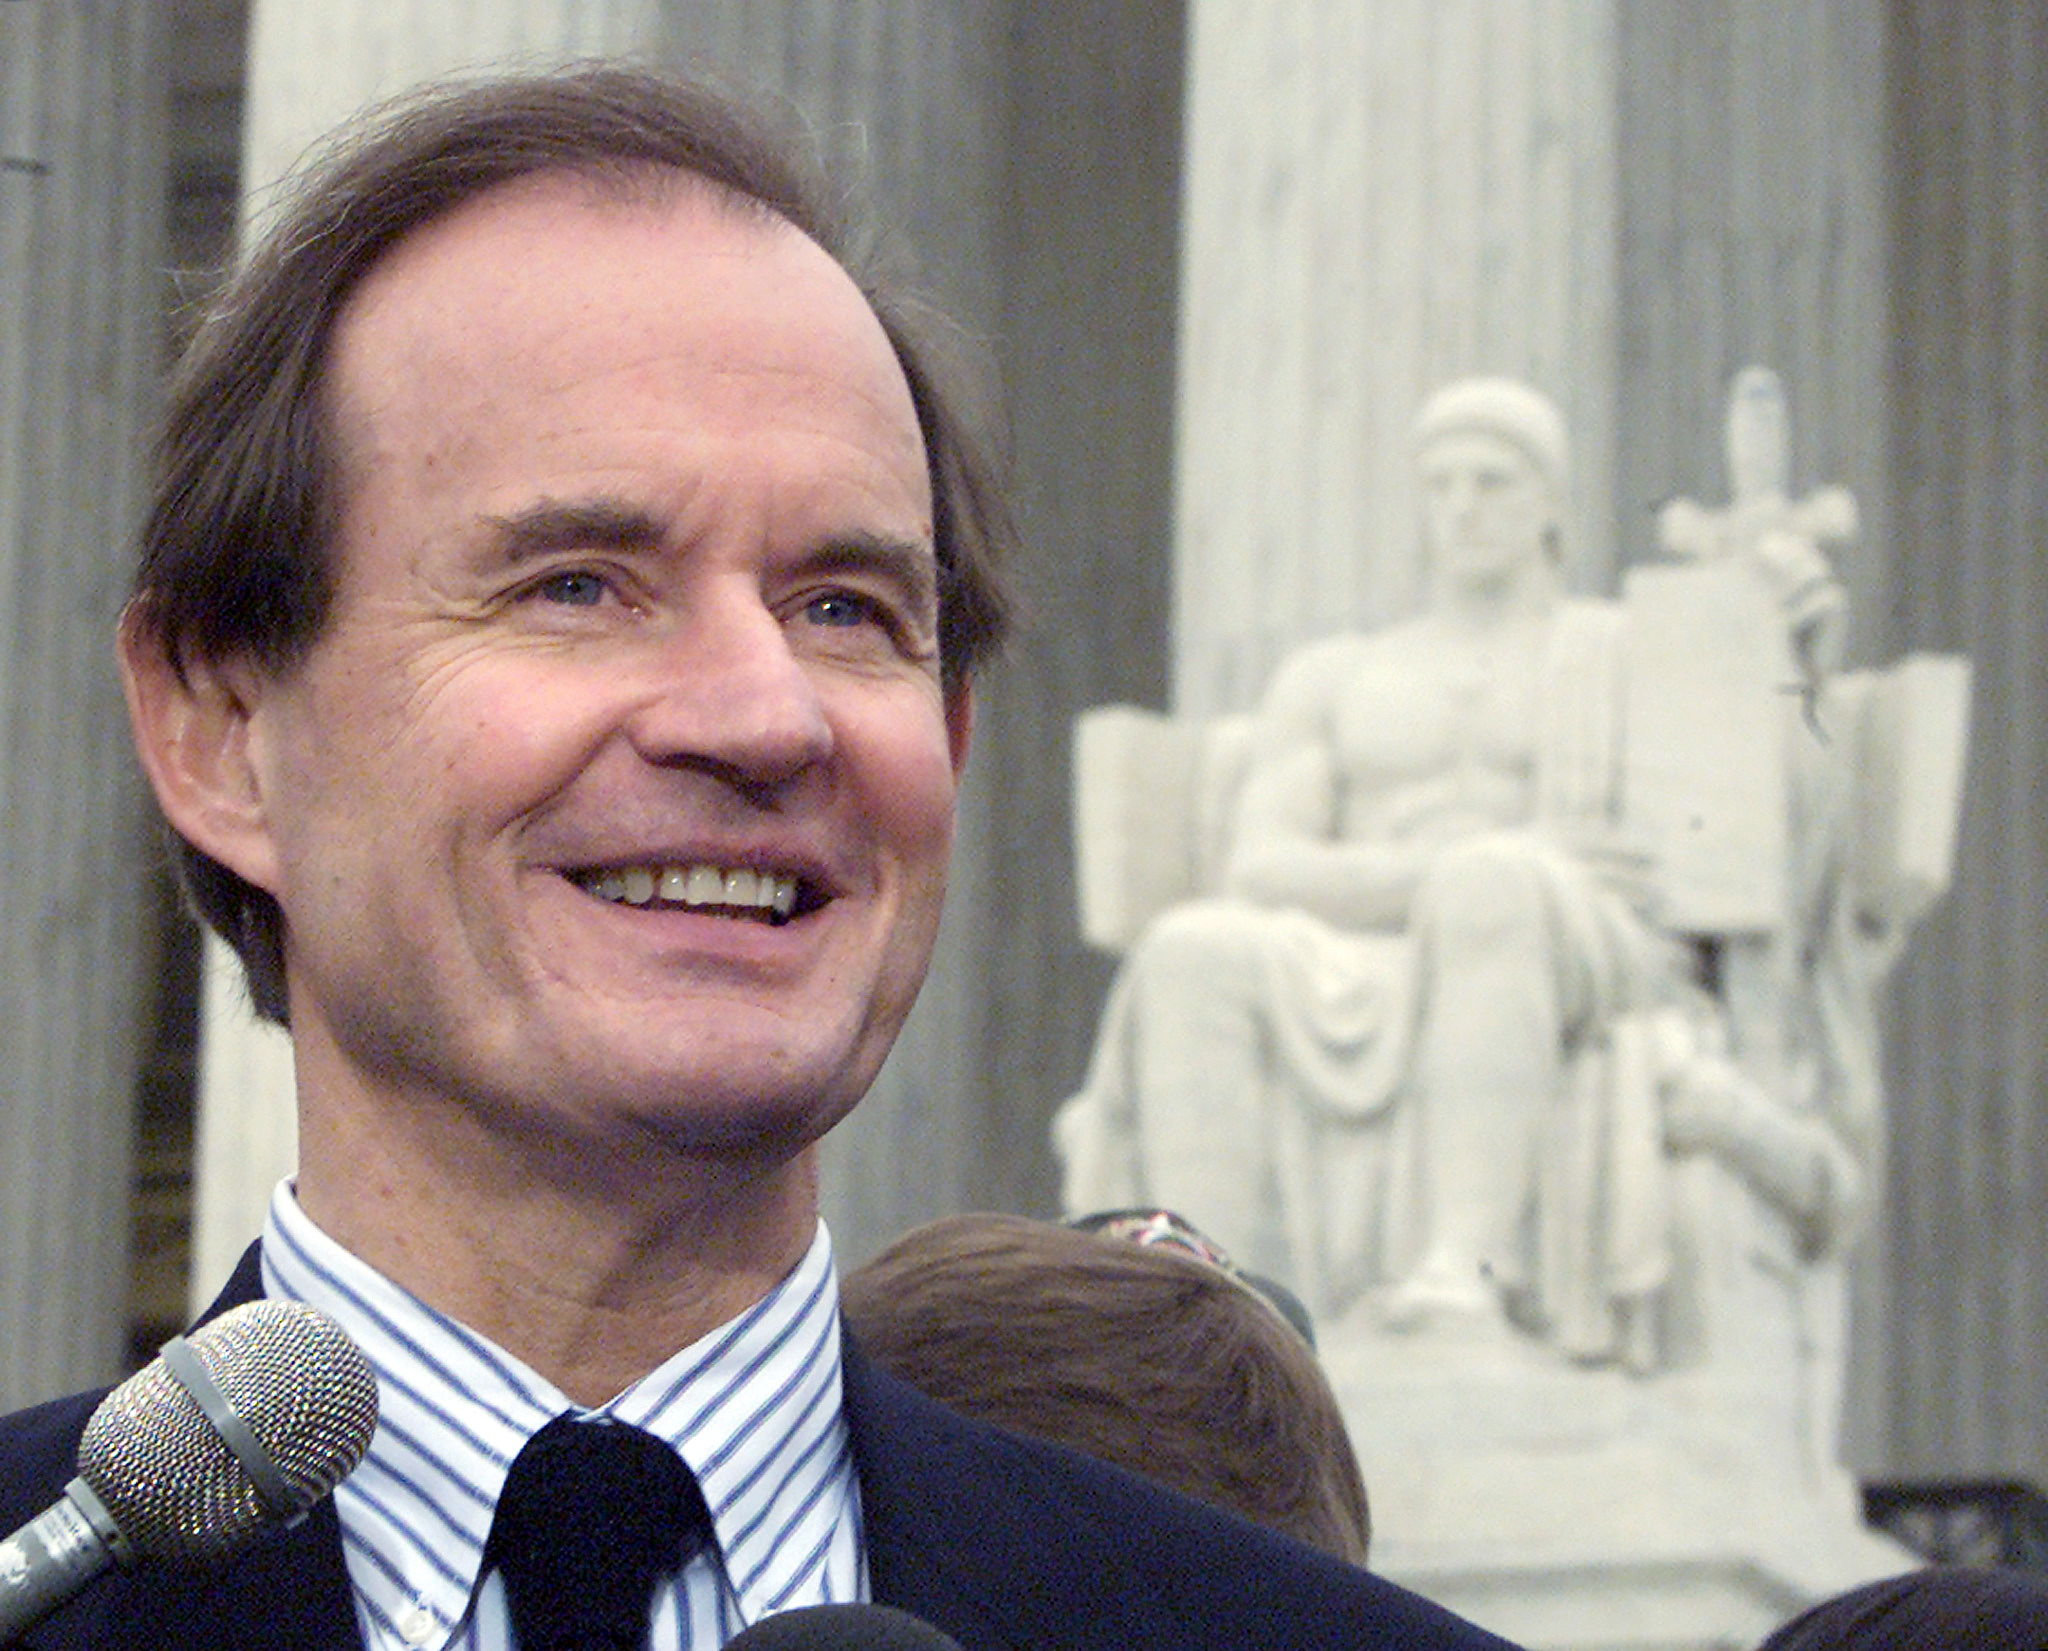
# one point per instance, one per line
(559, 524)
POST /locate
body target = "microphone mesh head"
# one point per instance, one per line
(169, 1479)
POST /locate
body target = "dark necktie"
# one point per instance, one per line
(593, 1515)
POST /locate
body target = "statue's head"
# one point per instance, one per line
(1494, 465)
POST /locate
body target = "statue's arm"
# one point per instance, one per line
(1797, 1163)
(1285, 846)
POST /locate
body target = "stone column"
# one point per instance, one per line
(1379, 195)
(311, 67)
(1751, 192)
(82, 170)
(1966, 1357)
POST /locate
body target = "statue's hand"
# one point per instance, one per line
(1712, 1106)
(1623, 865)
(1709, 1106)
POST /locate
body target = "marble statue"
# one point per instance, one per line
(1506, 984)
(1516, 908)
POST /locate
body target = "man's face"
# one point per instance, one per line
(1486, 508)
(618, 793)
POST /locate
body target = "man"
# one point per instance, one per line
(1351, 1065)
(554, 649)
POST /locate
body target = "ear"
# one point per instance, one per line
(191, 727)
(960, 725)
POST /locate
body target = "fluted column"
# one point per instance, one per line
(82, 168)
(1379, 195)
(1751, 186)
(311, 67)
(1966, 1354)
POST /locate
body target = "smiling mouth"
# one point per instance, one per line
(759, 896)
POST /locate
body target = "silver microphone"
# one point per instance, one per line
(244, 1425)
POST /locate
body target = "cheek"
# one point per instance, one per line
(486, 741)
(907, 781)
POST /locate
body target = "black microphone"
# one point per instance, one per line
(843, 1628)
(243, 1426)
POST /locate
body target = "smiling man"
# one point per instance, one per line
(675, 621)
(554, 651)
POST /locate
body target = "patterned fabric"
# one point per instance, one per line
(754, 1409)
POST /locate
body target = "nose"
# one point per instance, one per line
(728, 696)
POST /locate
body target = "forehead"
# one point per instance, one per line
(563, 278)
(1475, 450)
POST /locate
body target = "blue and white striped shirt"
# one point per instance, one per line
(754, 1408)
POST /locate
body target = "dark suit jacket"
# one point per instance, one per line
(1006, 1543)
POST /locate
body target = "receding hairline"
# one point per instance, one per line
(604, 184)
(633, 188)
(626, 181)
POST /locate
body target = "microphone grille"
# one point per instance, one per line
(169, 1479)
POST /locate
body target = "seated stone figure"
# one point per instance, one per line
(1427, 1049)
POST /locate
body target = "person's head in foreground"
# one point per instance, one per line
(1137, 1353)
(1942, 1608)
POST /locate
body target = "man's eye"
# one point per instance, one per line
(578, 588)
(839, 608)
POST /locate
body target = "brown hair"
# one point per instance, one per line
(1144, 1357)
(237, 546)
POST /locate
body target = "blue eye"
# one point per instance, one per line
(838, 608)
(577, 588)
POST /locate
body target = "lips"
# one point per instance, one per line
(743, 892)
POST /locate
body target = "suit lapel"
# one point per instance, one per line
(290, 1592)
(966, 1529)
(914, 1561)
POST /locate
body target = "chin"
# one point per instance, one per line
(719, 1116)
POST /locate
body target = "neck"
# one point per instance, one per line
(591, 1263)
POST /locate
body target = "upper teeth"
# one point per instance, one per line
(696, 886)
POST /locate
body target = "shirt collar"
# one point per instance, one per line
(754, 1408)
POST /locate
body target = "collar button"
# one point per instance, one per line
(417, 1624)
